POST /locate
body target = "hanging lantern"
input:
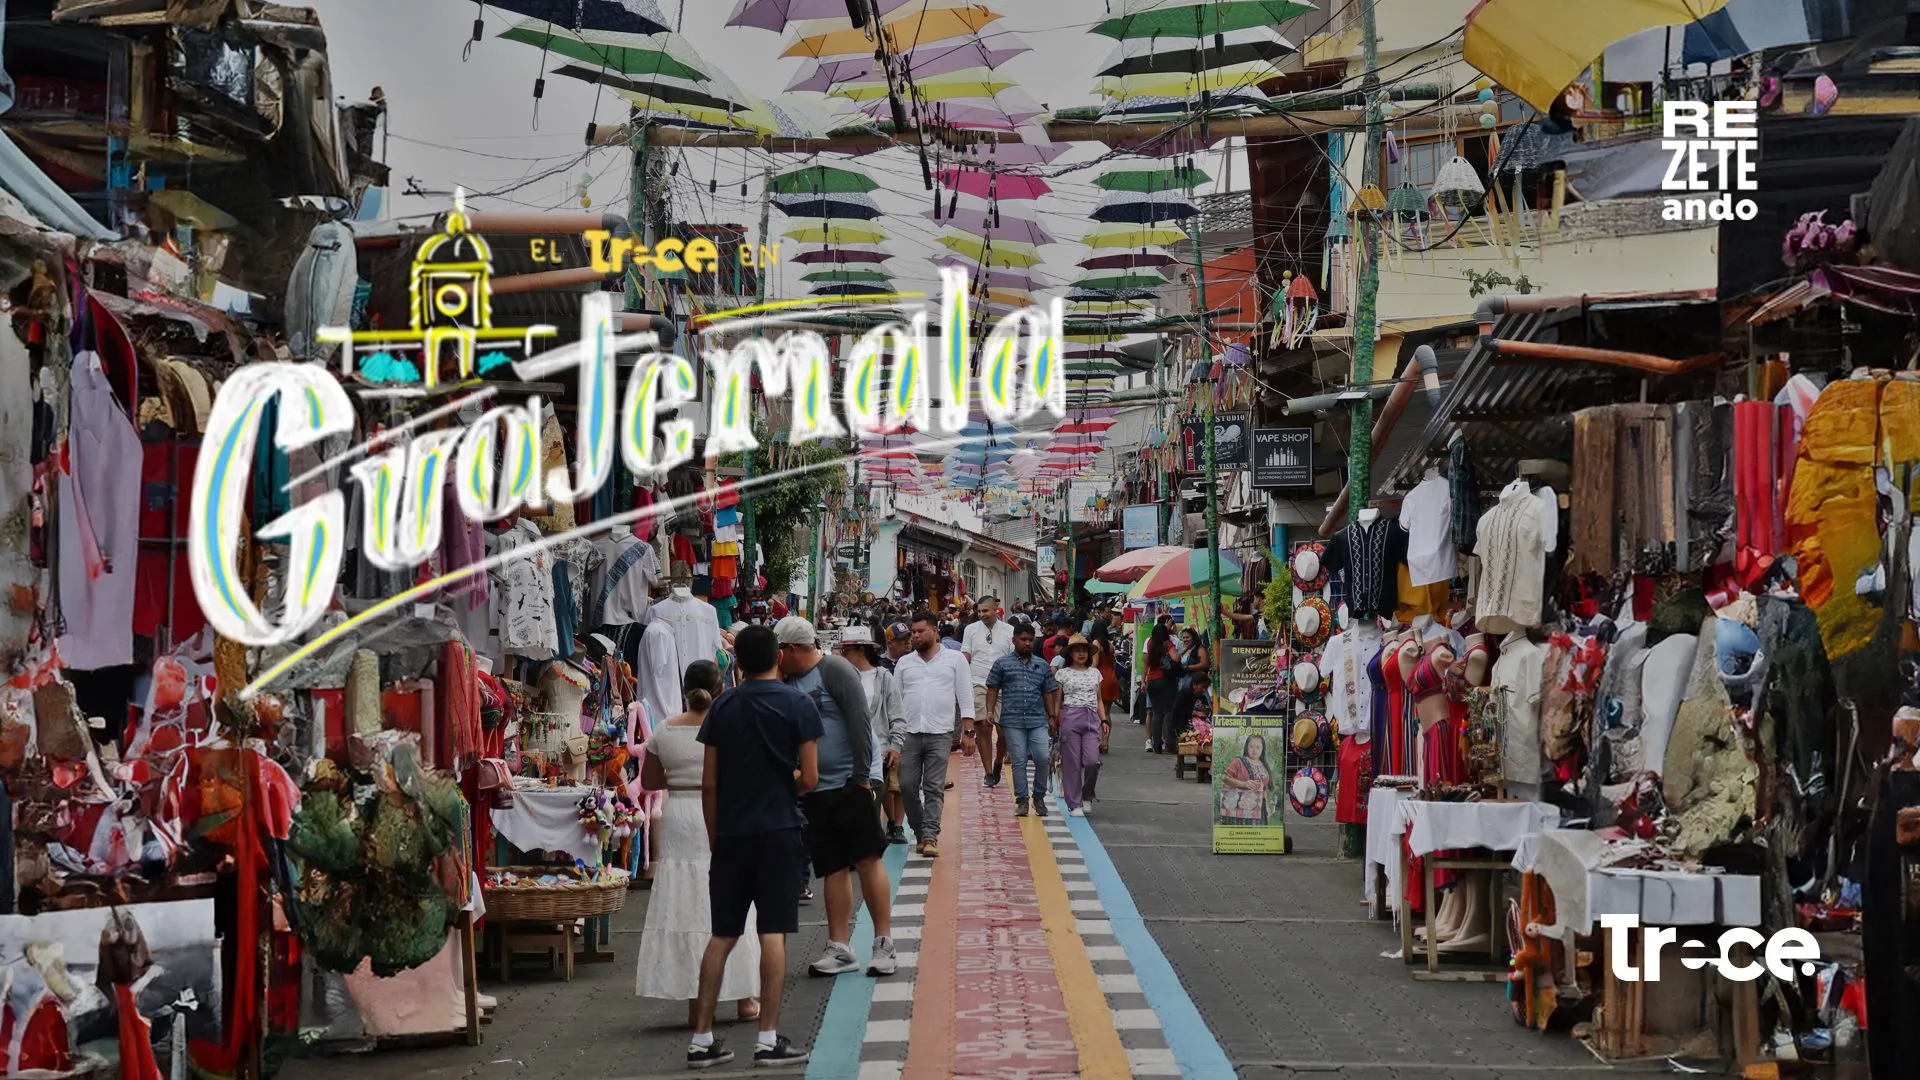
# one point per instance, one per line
(1369, 200)
(1406, 204)
(1456, 186)
(1299, 310)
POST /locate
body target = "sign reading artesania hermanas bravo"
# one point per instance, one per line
(1715, 149)
(1282, 457)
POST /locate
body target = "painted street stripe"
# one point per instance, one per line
(1194, 1050)
(836, 1049)
(1094, 1033)
(930, 1038)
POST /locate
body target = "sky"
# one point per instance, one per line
(466, 117)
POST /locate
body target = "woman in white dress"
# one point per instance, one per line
(679, 921)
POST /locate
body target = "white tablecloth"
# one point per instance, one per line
(1441, 826)
(548, 819)
(1583, 890)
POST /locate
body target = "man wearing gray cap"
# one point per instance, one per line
(843, 819)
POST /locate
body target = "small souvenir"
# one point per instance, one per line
(1307, 793)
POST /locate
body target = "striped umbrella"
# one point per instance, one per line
(843, 207)
(938, 58)
(616, 16)
(1184, 54)
(822, 180)
(904, 31)
(1132, 236)
(839, 256)
(827, 232)
(1140, 208)
(1188, 18)
(1151, 179)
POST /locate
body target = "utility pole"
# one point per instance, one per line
(639, 211)
(1213, 468)
(1365, 317)
(749, 538)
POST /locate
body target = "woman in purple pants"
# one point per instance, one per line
(1079, 734)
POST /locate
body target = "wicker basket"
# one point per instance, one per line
(555, 903)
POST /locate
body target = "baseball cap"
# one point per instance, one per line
(794, 630)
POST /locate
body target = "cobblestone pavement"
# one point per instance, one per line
(1159, 957)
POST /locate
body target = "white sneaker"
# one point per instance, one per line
(885, 962)
(1078, 811)
(837, 960)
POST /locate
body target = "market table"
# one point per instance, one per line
(1570, 861)
(1431, 827)
(1382, 872)
(546, 818)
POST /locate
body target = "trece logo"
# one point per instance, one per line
(1714, 148)
(1778, 954)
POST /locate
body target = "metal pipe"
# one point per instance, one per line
(1643, 362)
(1323, 402)
(1493, 307)
(547, 279)
(1382, 428)
(1429, 372)
(527, 222)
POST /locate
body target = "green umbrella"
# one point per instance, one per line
(1105, 368)
(1150, 180)
(1186, 18)
(1121, 281)
(1102, 588)
(822, 180)
(626, 54)
(847, 275)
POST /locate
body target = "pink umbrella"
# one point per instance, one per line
(982, 184)
(980, 223)
(1134, 564)
(1006, 112)
(1128, 261)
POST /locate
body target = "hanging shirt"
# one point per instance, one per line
(99, 524)
(1513, 563)
(527, 626)
(1516, 681)
(620, 590)
(1365, 554)
(657, 675)
(695, 625)
(983, 646)
(1427, 515)
(1343, 663)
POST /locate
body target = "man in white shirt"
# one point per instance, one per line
(936, 687)
(984, 642)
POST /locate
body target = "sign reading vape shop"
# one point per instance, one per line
(1140, 527)
(1249, 774)
(1283, 457)
(1715, 149)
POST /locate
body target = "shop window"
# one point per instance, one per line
(970, 577)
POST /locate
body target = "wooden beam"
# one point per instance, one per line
(1269, 126)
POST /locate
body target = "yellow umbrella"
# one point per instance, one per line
(837, 233)
(1011, 297)
(1093, 339)
(1132, 236)
(1005, 253)
(1184, 84)
(1536, 50)
(971, 83)
(698, 113)
(910, 28)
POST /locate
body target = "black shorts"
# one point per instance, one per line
(843, 828)
(756, 871)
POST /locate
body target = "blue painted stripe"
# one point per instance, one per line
(1195, 1050)
(836, 1049)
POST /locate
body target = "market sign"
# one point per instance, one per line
(1249, 782)
(1230, 443)
(1283, 457)
(1247, 671)
(1140, 527)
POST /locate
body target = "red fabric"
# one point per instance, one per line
(136, 1038)
(1353, 781)
(335, 703)
(45, 1042)
(242, 1019)
(1396, 750)
(456, 698)
(681, 550)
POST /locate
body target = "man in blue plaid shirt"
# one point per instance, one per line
(1022, 688)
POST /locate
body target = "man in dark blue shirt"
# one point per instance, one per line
(761, 757)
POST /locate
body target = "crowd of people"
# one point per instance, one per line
(833, 741)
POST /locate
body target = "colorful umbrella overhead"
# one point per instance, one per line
(987, 184)
(617, 16)
(1149, 180)
(847, 275)
(1104, 300)
(850, 288)
(668, 55)
(1005, 111)
(1536, 50)
(1231, 79)
(1129, 260)
(777, 14)
(905, 30)
(1181, 55)
(970, 83)
(827, 232)
(939, 58)
(1001, 226)
(1132, 236)
(1141, 208)
(843, 207)
(822, 180)
(1187, 573)
(839, 256)
(1244, 100)
(1009, 253)
(1121, 281)
(1186, 18)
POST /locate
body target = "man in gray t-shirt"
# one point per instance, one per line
(843, 809)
